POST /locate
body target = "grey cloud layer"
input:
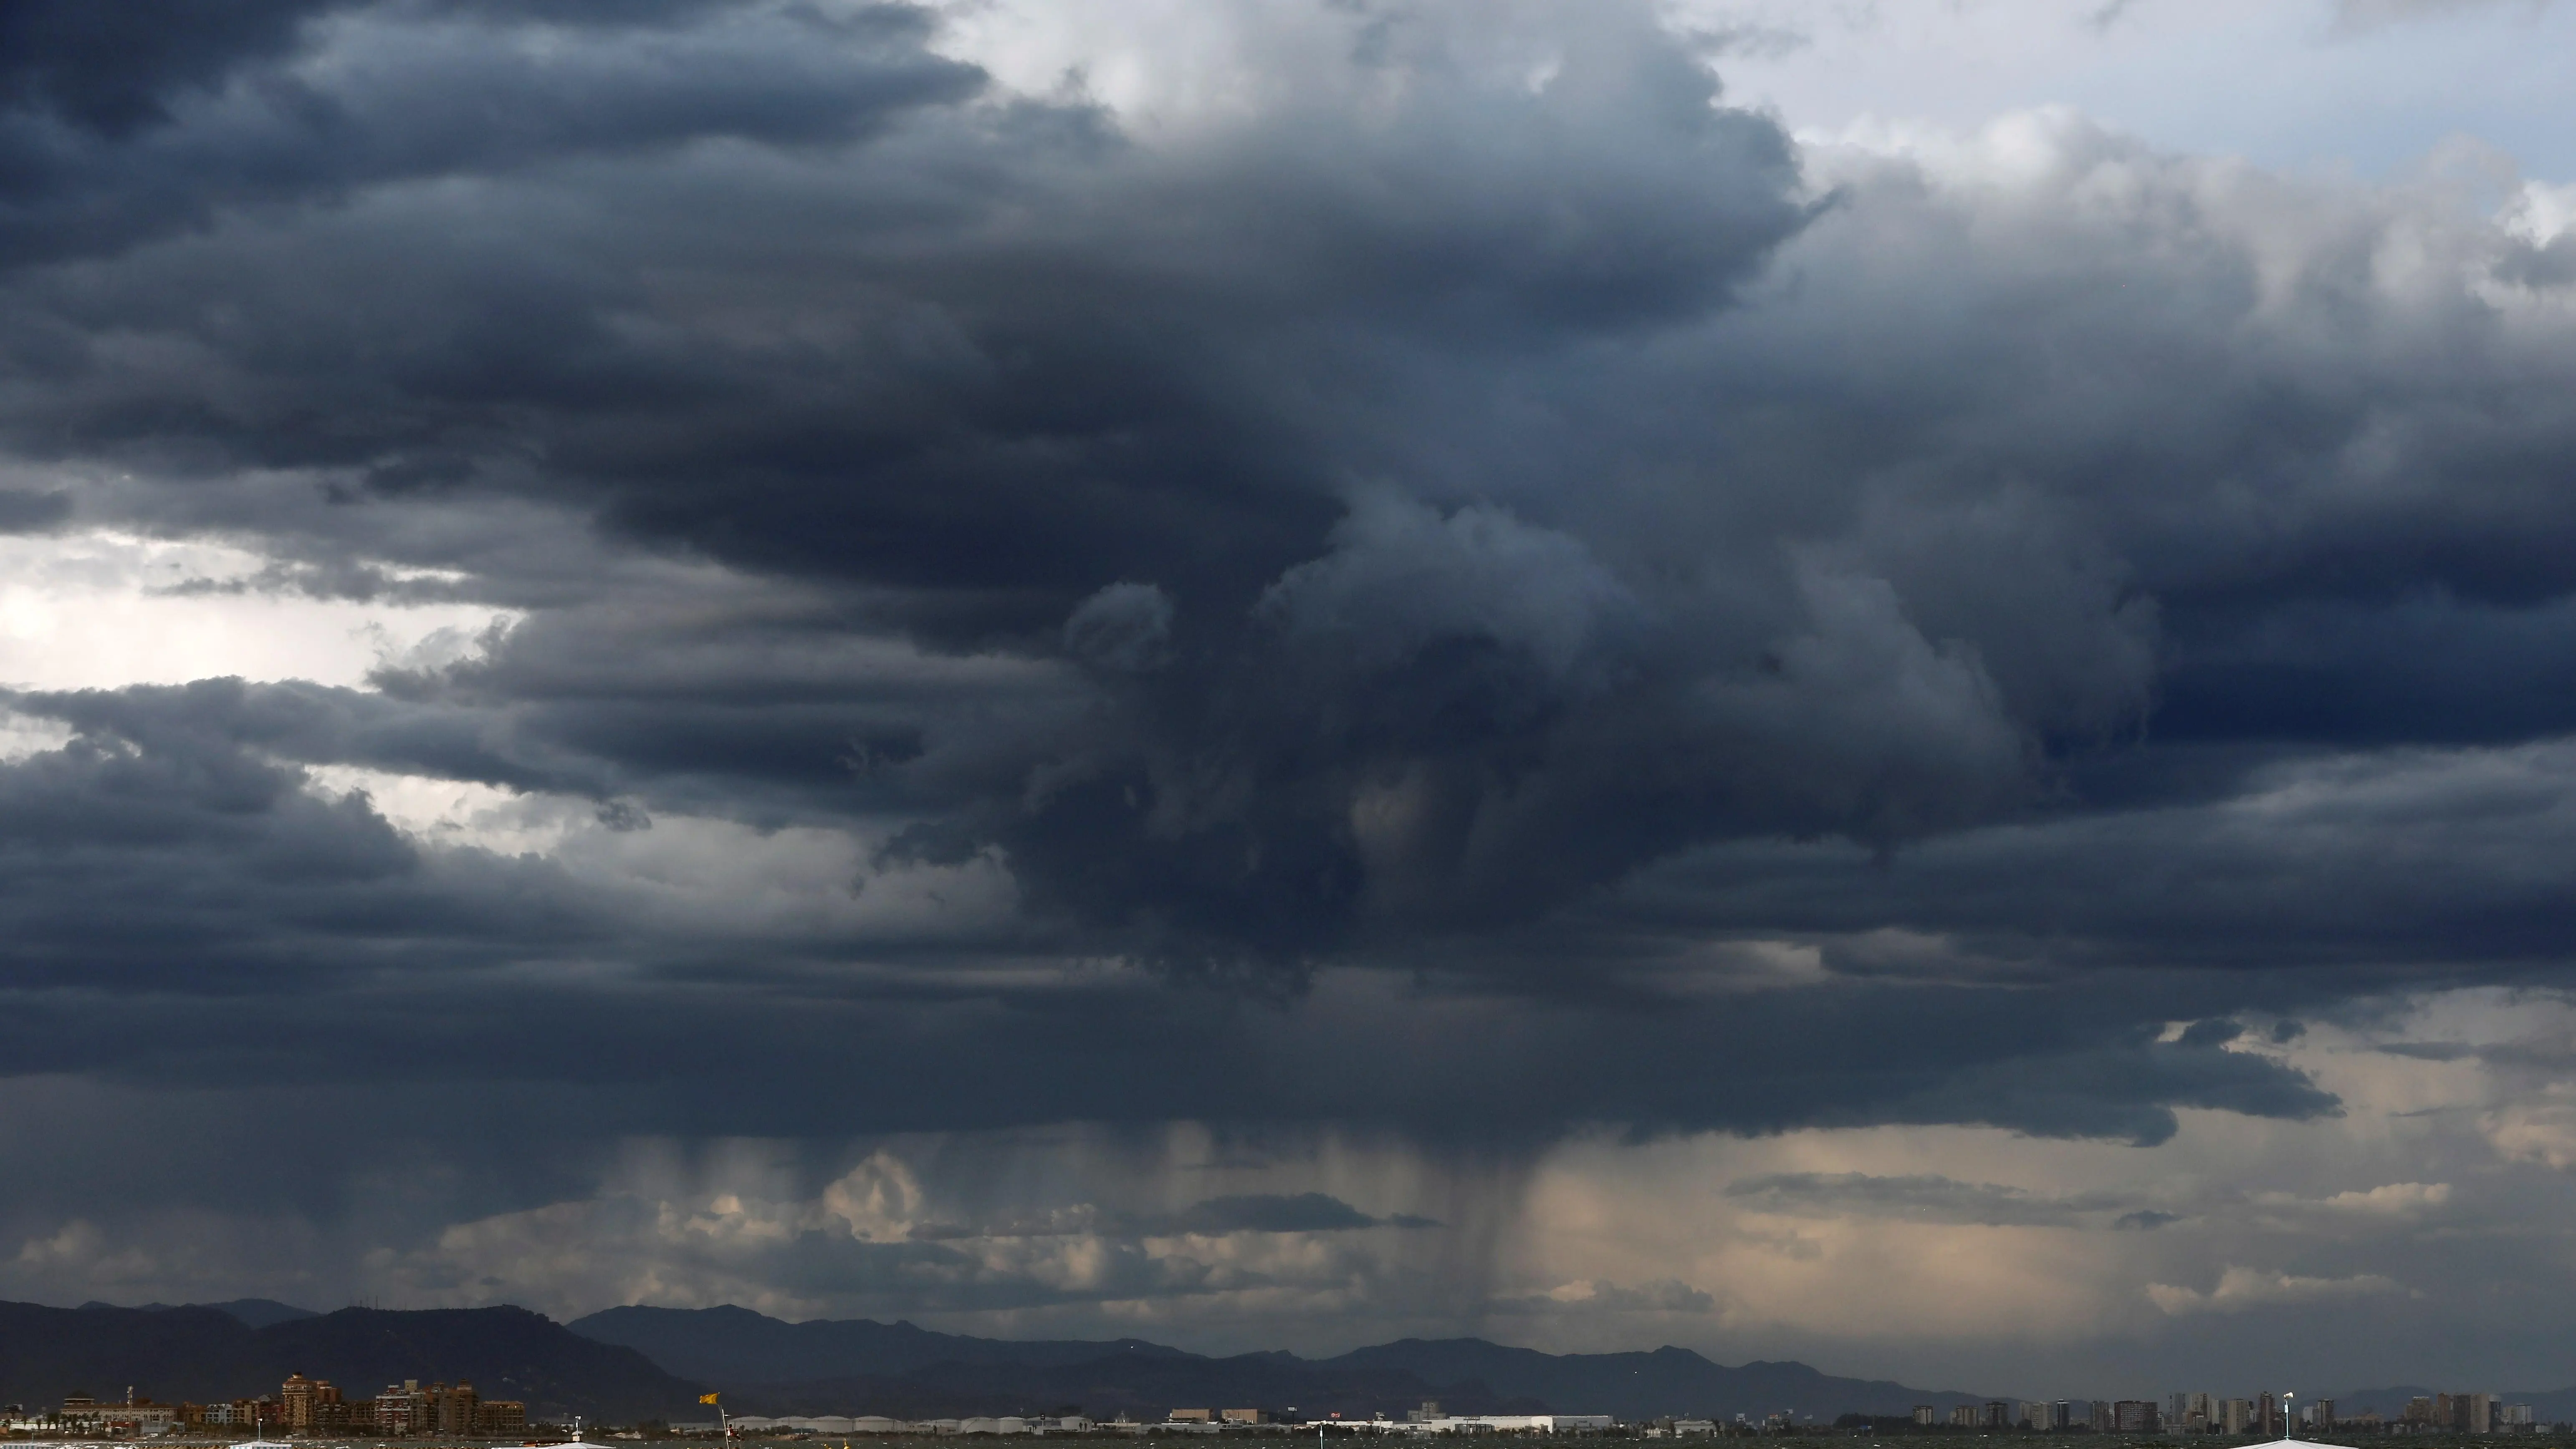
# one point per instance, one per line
(1932, 1199)
(1490, 511)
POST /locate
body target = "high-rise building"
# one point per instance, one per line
(2061, 1415)
(1998, 1414)
(312, 1406)
(2101, 1419)
(2238, 1417)
(2133, 1416)
(2514, 1416)
(1923, 1414)
(2322, 1413)
(452, 1409)
(1963, 1416)
(403, 1409)
(2419, 1412)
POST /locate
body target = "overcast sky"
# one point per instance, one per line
(1891, 683)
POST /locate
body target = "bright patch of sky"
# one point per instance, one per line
(2369, 86)
(95, 610)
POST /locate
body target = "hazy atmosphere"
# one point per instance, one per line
(1889, 683)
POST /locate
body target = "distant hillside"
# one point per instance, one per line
(507, 1353)
(848, 1366)
(256, 1312)
(635, 1363)
(1643, 1385)
(1140, 1385)
(206, 1353)
(168, 1354)
(260, 1312)
(736, 1345)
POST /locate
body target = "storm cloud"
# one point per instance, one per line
(1477, 597)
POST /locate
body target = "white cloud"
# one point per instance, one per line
(2240, 1289)
(2540, 213)
(1600, 1295)
(24, 735)
(98, 609)
(2396, 1199)
(2390, 1200)
(697, 874)
(2540, 1128)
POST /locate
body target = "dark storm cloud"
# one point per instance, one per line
(23, 511)
(130, 127)
(1535, 532)
(205, 868)
(115, 70)
(2306, 879)
(251, 933)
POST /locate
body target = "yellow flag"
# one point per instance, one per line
(706, 1398)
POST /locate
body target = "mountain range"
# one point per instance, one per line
(635, 1363)
(208, 1352)
(842, 1366)
(625, 1364)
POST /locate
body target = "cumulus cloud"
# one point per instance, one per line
(1600, 1295)
(2402, 1199)
(885, 1237)
(2241, 1290)
(1387, 603)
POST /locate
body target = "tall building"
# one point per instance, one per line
(2101, 1419)
(2238, 1417)
(1923, 1414)
(2322, 1413)
(452, 1409)
(2514, 1416)
(312, 1406)
(402, 1409)
(2134, 1416)
(1963, 1416)
(1998, 1414)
